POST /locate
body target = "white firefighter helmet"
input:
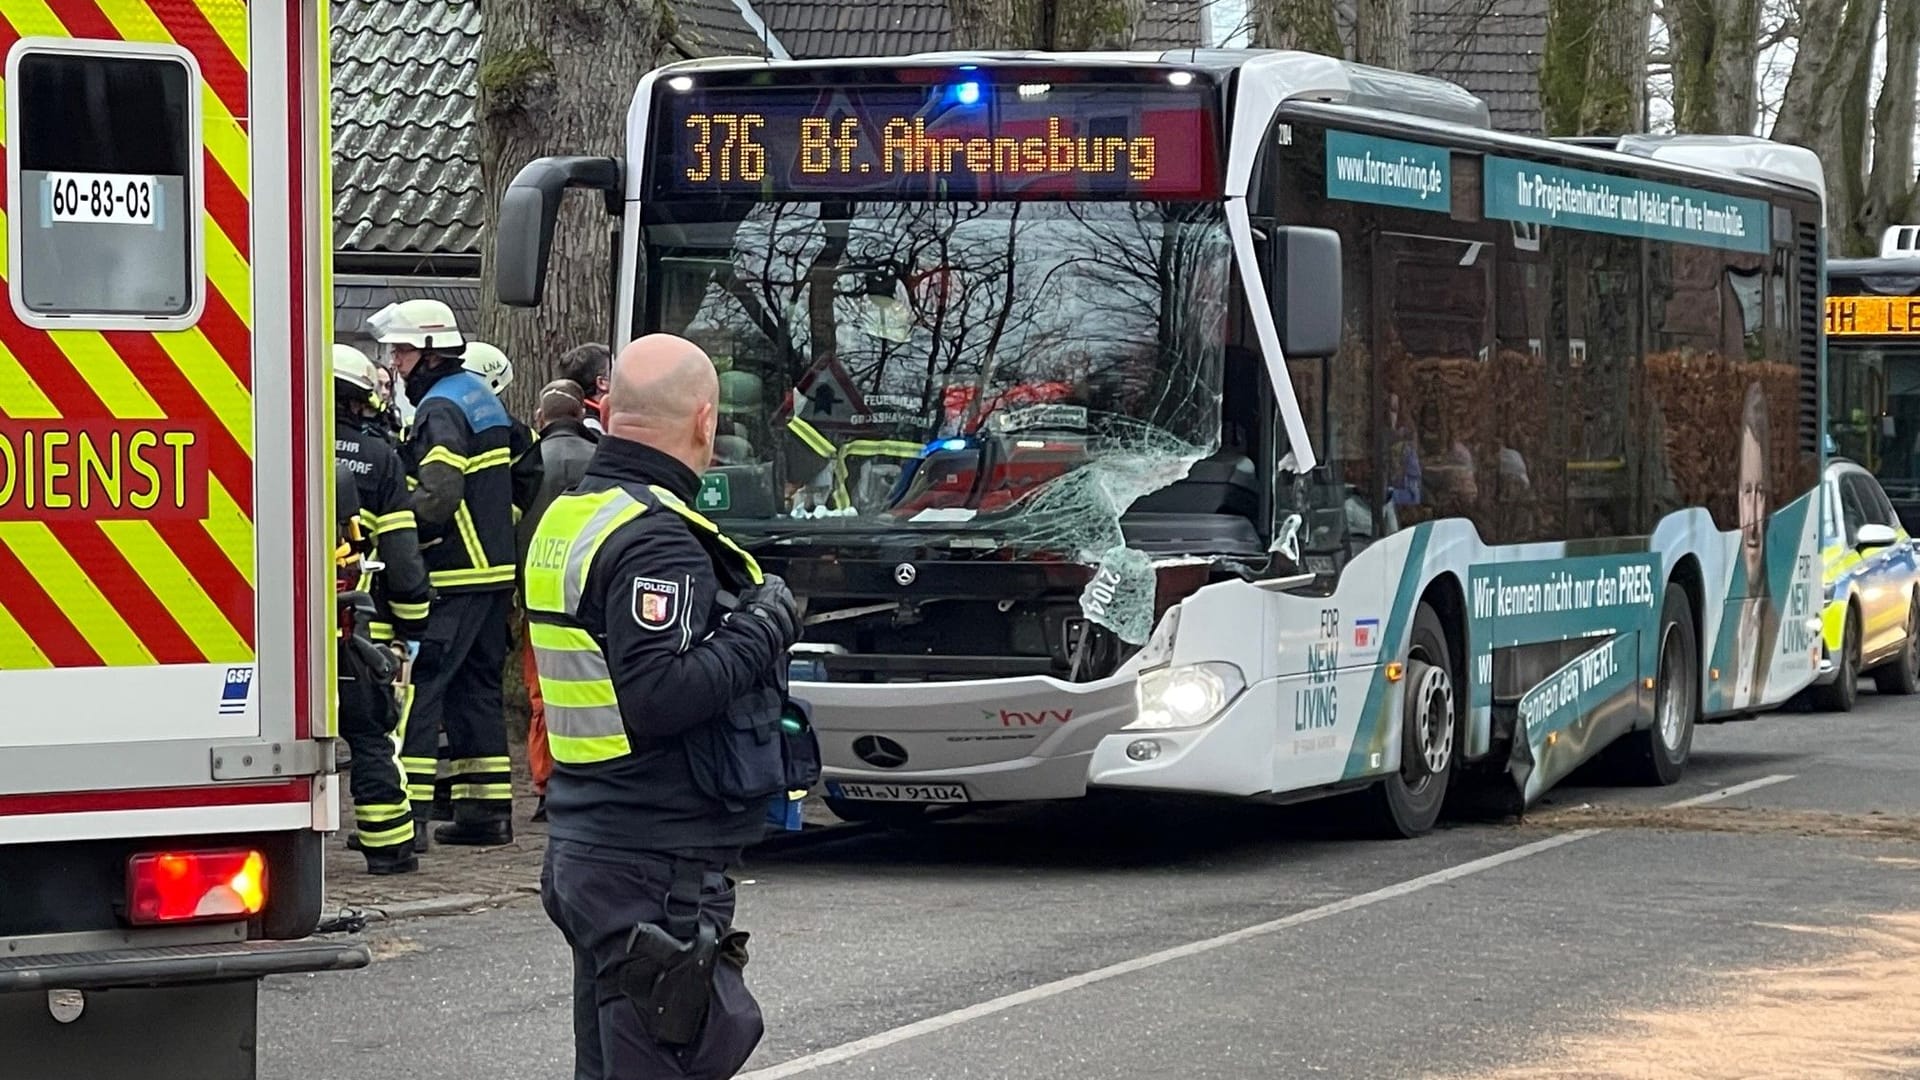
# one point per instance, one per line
(490, 364)
(353, 367)
(423, 324)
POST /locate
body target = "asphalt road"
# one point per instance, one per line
(1771, 933)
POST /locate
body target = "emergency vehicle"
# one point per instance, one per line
(165, 530)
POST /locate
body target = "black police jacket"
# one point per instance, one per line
(688, 672)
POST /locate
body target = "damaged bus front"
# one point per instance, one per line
(973, 320)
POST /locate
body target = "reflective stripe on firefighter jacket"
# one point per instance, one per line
(400, 592)
(584, 724)
(459, 451)
(846, 460)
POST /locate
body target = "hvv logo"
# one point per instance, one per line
(1016, 718)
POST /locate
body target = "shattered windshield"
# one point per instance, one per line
(1020, 370)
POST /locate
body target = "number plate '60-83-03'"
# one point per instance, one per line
(103, 198)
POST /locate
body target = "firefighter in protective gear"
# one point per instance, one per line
(496, 370)
(460, 456)
(661, 651)
(402, 601)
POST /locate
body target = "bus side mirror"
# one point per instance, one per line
(1306, 291)
(523, 235)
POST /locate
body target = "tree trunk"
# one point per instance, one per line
(556, 77)
(1593, 77)
(1383, 34)
(1715, 47)
(1094, 24)
(1307, 25)
(1058, 25)
(1893, 191)
(1824, 107)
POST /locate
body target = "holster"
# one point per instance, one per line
(668, 971)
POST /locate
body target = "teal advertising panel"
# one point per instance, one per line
(1525, 603)
(1366, 168)
(1578, 688)
(1598, 202)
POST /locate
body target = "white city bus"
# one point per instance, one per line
(1233, 422)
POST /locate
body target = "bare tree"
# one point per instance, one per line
(1593, 78)
(1714, 46)
(1093, 24)
(1044, 24)
(1383, 34)
(1296, 24)
(1825, 107)
(995, 24)
(1893, 191)
(552, 82)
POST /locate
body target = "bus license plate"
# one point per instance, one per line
(920, 793)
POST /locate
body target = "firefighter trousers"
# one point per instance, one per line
(596, 895)
(456, 683)
(380, 807)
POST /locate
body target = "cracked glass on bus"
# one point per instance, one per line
(1001, 375)
(104, 210)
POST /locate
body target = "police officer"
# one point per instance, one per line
(402, 599)
(458, 451)
(661, 652)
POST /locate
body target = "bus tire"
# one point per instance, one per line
(1407, 803)
(1658, 755)
(1901, 675)
(1839, 695)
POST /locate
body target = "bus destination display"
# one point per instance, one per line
(959, 140)
(1855, 316)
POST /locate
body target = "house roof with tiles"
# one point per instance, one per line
(406, 146)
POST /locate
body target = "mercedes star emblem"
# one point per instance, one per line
(880, 751)
(904, 574)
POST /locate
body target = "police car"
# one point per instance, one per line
(1871, 620)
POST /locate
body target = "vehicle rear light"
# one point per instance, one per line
(179, 886)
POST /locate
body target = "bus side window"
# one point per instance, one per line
(105, 180)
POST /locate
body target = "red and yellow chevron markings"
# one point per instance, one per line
(126, 457)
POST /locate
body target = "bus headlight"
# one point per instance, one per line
(1186, 696)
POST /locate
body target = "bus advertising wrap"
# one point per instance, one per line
(1598, 202)
(1367, 168)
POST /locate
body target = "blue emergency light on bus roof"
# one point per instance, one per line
(949, 445)
(967, 93)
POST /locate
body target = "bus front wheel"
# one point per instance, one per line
(1407, 802)
(1658, 755)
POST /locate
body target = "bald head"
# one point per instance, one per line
(663, 392)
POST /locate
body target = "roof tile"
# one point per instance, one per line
(406, 149)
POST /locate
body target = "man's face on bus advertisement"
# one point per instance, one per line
(1753, 503)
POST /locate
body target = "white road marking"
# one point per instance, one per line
(834, 1055)
(845, 1051)
(1730, 792)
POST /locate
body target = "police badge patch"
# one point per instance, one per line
(656, 603)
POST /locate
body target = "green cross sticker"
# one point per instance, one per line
(714, 493)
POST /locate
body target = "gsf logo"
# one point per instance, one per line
(239, 676)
